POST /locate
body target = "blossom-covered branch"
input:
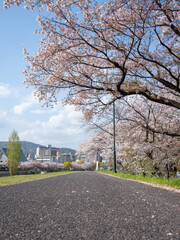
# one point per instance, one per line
(120, 48)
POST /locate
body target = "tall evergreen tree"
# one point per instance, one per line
(14, 153)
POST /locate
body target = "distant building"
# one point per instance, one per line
(29, 157)
(82, 157)
(92, 158)
(4, 156)
(46, 154)
(65, 157)
(51, 154)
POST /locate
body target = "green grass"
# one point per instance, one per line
(27, 178)
(173, 183)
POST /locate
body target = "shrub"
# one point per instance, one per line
(87, 166)
(53, 167)
(94, 164)
(76, 166)
(110, 167)
(60, 166)
(102, 165)
(37, 167)
(3, 166)
(25, 166)
(82, 167)
(80, 161)
(67, 165)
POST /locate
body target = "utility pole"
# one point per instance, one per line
(97, 159)
(114, 138)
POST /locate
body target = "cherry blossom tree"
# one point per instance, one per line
(147, 137)
(152, 117)
(92, 147)
(37, 167)
(155, 134)
(111, 48)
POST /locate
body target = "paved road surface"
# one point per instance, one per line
(88, 205)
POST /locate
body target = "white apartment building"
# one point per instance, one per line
(46, 154)
(51, 154)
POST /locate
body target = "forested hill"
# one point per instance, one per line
(30, 148)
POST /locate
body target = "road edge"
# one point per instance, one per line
(150, 184)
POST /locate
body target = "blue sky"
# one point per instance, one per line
(19, 110)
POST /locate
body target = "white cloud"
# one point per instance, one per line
(21, 108)
(65, 118)
(5, 90)
(75, 117)
(63, 129)
(3, 120)
(3, 114)
(38, 111)
(54, 122)
(73, 130)
(28, 101)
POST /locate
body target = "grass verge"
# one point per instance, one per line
(10, 180)
(173, 183)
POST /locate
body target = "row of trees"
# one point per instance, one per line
(147, 137)
(34, 167)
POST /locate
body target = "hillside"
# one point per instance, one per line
(30, 148)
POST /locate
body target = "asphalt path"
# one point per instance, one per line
(88, 205)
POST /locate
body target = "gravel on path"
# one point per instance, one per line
(88, 206)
